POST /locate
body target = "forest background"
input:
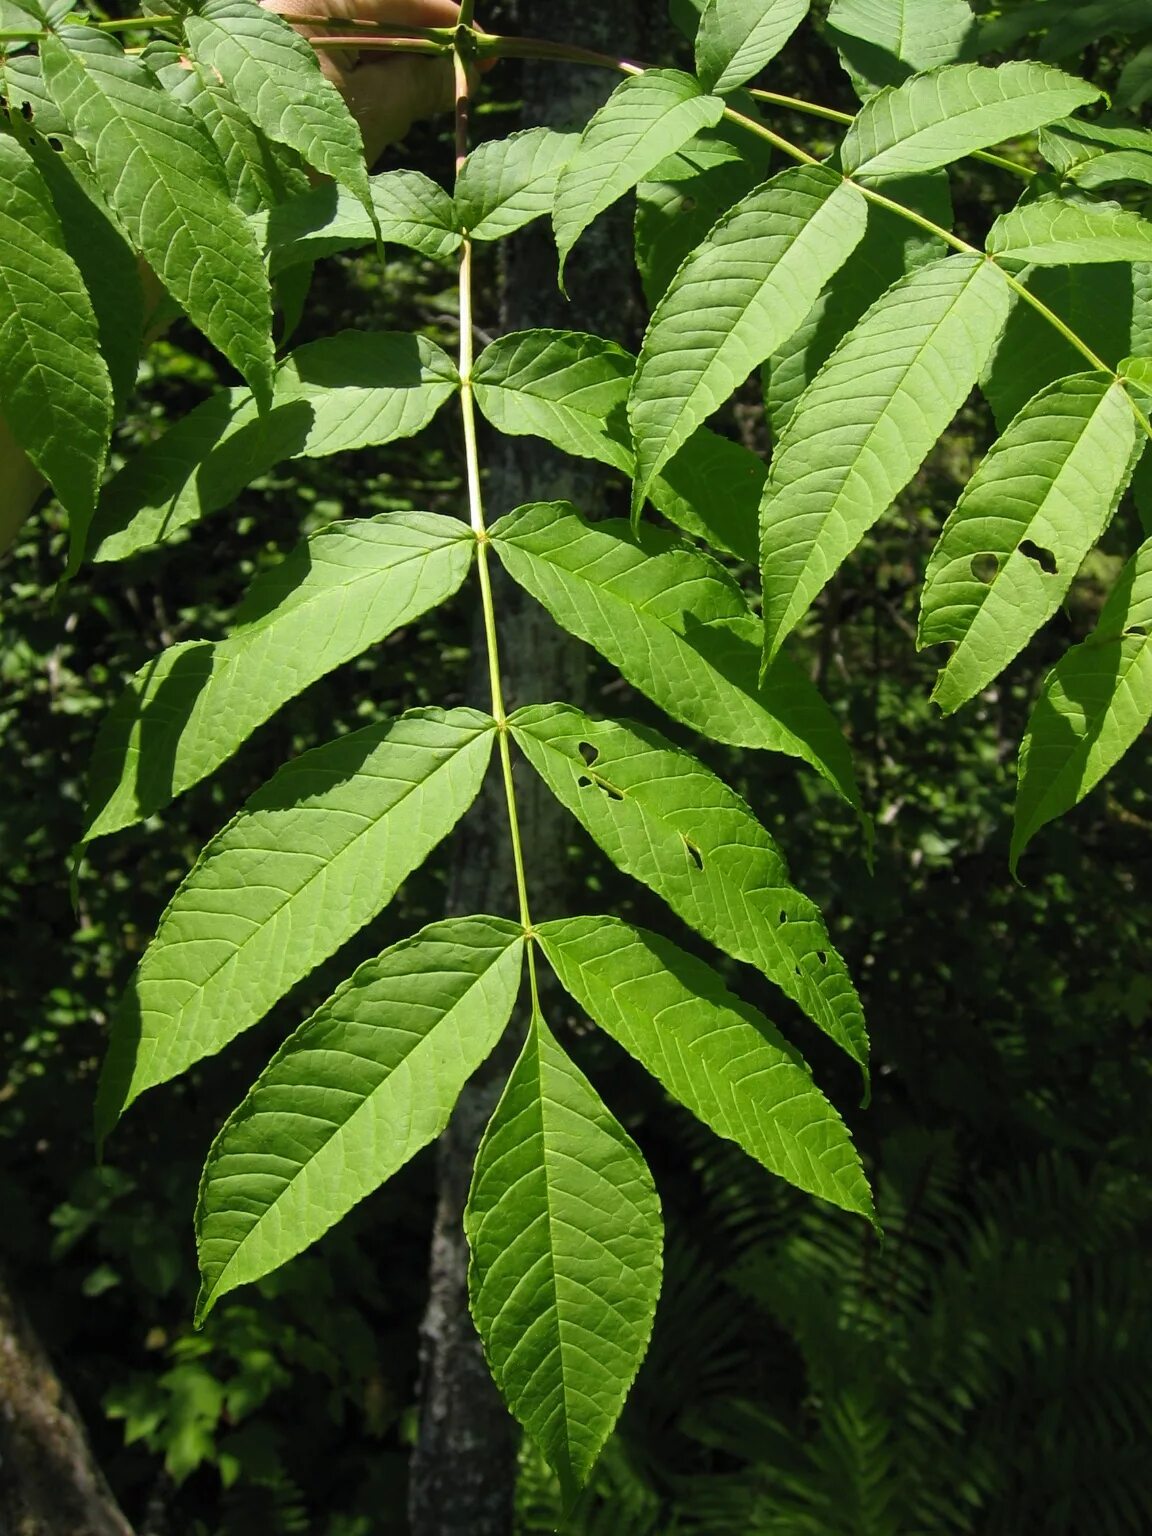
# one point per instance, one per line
(985, 1368)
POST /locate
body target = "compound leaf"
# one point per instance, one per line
(506, 183)
(163, 178)
(678, 628)
(865, 424)
(737, 297)
(311, 858)
(564, 1228)
(352, 390)
(54, 386)
(275, 77)
(647, 118)
(935, 118)
(669, 822)
(737, 38)
(356, 1092)
(1032, 511)
(716, 1055)
(1093, 706)
(338, 593)
(1062, 231)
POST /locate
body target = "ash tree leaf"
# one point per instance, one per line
(339, 592)
(720, 1058)
(667, 821)
(1094, 704)
(678, 628)
(313, 856)
(882, 42)
(891, 248)
(1030, 514)
(645, 120)
(866, 423)
(409, 210)
(55, 390)
(505, 184)
(935, 118)
(352, 1096)
(737, 38)
(260, 174)
(737, 297)
(571, 389)
(1100, 304)
(164, 180)
(563, 1223)
(1062, 231)
(1110, 169)
(352, 390)
(107, 265)
(275, 77)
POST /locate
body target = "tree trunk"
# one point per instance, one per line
(49, 1483)
(463, 1471)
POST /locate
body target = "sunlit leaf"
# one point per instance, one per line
(737, 38)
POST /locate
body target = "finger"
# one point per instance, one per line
(387, 96)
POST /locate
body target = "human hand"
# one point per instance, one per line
(386, 93)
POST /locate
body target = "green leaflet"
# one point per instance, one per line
(645, 119)
(719, 1057)
(679, 204)
(737, 38)
(737, 297)
(882, 42)
(678, 628)
(1035, 507)
(1101, 305)
(352, 390)
(338, 593)
(865, 424)
(1094, 155)
(571, 389)
(357, 1091)
(1134, 86)
(164, 180)
(665, 819)
(107, 264)
(311, 858)
(891, 247)
(1107, 170)
(1059, 231)
(936, 118)
(1094, 704)
(56, 392)
(275, 77)
(410, 209)
(564, 1228)
(506, 183)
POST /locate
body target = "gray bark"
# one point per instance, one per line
(463, 1470)
(50, 1484)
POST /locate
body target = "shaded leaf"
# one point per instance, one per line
(669, 822)
(54, 385)
(1093, 706)
(882, 42)
(357, 1091)
(716, 1055)
(564, 1227)
(410, 209)
(1030, 514)
(338, 593)
(311, 858)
